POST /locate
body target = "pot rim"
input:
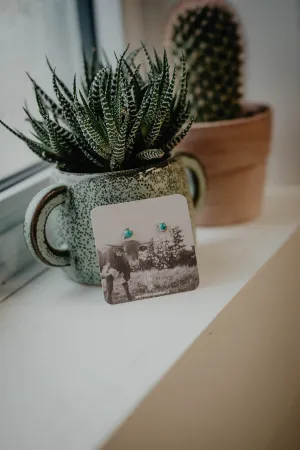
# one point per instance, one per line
(258, 115)
(116, 173)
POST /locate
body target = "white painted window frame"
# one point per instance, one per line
(17, 265)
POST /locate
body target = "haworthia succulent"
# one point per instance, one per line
(116, 120)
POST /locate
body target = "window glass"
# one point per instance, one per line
(30, 30)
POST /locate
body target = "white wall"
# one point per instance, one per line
(272, 28)
(273, 75)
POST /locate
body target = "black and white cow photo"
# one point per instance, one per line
(134, 270)
(153, 261)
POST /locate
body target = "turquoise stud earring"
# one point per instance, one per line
(127, 233)
(162, 226)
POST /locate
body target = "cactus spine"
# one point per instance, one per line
(209, 37)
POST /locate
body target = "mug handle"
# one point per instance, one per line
(35, 226)
(198, 177)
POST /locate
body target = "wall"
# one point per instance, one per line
(273, 75)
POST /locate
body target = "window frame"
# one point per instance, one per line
(15, 258)
(17, 265)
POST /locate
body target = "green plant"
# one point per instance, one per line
(209, 37)
(119, 120)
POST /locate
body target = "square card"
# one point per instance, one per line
(145, 248)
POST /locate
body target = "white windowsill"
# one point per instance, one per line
(73, 367)
(17, 266)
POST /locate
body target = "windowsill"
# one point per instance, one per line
(17, 266)
(74, 367)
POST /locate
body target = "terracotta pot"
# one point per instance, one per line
(234, 155)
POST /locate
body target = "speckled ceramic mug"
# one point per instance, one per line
(76, 195)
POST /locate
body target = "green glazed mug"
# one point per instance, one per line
(74, 196)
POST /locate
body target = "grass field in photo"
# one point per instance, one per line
(153, 283)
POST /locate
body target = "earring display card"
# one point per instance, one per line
(157, 257)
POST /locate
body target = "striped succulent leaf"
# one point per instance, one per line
(138, 120)
(91, 66)
(116, 95)
(137, 83)
(158, 61)
(97, 121)
(183, 83)
(66, 106)
(154, 132)
(74, 89)
(48, 102)
(166, 75)
(128, 99)
(167, 99)
(97, 143)
(108, 118)
(119, 149)
(135, 77)
(116, 76)
(42, 110)
(61, 84)
(65, 137)
(86, 150)
(132, 55)
(178, 138)
(152, 153)
(54, 141)
(94, 98)
(38, 127)
(150, 62)
(39, 149)
(107, 84)
(151, 114)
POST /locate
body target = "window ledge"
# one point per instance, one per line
(73, 367)
(17, 266)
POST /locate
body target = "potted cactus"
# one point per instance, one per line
(231, 137)
(111, 142)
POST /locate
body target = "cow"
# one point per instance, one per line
(115, 263)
